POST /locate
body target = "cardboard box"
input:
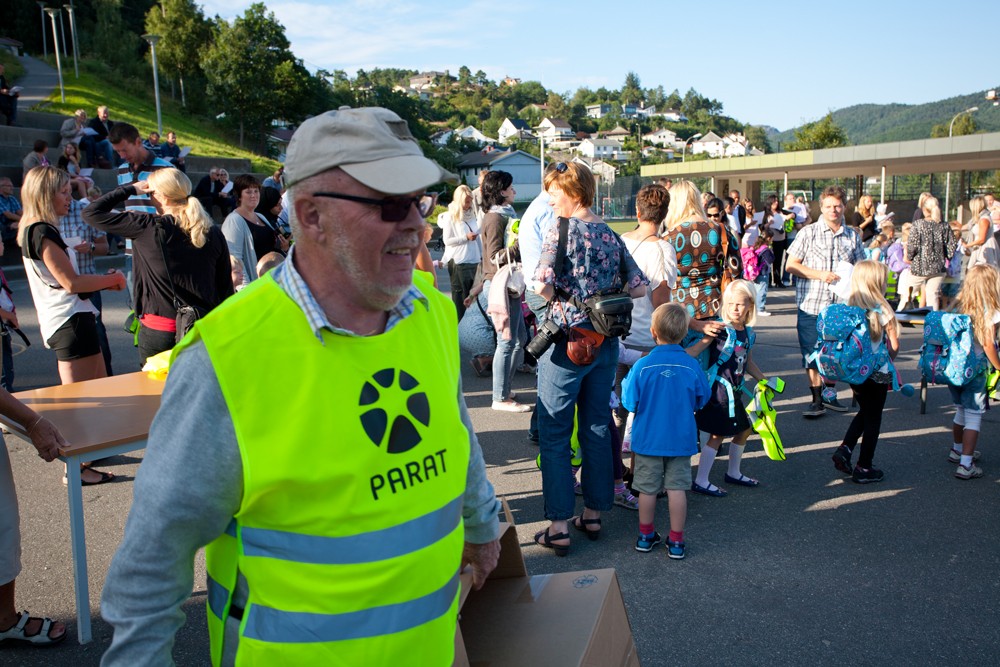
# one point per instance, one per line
(570, 618)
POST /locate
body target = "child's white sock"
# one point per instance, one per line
(705, 465)
(735, 456)
(966, 461)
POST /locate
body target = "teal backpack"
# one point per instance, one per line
(948, 355)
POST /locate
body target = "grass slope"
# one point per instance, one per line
(97, 85)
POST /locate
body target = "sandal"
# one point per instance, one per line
(41, 638)
(544, 539)
(105, 477)
(742, 480)
(581, 524)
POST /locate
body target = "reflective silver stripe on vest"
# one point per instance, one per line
(217, 596)
(291, 627)
(353, 549)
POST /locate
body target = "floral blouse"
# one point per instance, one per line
(593, 254)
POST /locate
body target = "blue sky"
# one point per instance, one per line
(776, 63)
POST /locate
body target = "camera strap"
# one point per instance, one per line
(561, 258)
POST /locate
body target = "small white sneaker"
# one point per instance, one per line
(956, 458)
(511, 406)
(971, 472)
(763, 313)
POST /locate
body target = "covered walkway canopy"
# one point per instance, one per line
(974, 152)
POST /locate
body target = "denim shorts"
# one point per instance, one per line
(655, 473)
(970, 396)
(805, 326)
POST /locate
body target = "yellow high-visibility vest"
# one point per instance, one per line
(350, 533)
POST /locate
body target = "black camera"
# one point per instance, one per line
(548, 333)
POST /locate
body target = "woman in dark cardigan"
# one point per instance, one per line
(197, 267)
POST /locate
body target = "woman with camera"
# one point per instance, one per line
(582, 260)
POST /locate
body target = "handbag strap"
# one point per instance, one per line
(166, 265)
(561, 257)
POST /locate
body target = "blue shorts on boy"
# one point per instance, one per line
(663, 390)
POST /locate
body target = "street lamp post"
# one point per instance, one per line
(62, 36)
(947, 186)
(45, 40)
(684, 147)
(153, 39)
(72, 32)
(51, 11)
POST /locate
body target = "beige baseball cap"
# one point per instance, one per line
(371, 144)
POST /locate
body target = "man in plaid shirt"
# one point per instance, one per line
(813, 256)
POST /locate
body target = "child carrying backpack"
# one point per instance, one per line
(862, 356)
(725, 415)
(960, 350)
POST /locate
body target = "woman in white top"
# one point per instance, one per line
(463, 252)
(66, 316)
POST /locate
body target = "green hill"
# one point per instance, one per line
(877, 123)
(133, 103)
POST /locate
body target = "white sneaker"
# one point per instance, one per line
(763, 313)
(971, 472)
(956, 458)
(511, 406)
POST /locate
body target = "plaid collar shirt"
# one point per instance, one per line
(820, 248)
(72, 225)
(291, 281)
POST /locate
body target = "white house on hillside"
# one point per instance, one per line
(604, 171)
(554, 129)
(524, 167)
(604, 149)
(666, 138)
(514, 130)
(601, 110)
(710, 143)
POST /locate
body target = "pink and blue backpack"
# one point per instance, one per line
(948, 355)
(845, 350)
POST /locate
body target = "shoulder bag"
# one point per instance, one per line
(186, 315)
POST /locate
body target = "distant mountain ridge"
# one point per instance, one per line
(877, 123)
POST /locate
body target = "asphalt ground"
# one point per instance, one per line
(808, 568)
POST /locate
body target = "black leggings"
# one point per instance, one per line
(868, 422)
(778, 248)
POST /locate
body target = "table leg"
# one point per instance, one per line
(923, 395)
(79, 542)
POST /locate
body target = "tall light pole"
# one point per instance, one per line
(947, 187)
(153, 39)
(685, 146)
(45, 40)
(72, 32)
(62, 35)
(51, 11)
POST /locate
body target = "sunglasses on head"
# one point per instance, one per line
(562, 167)
(394, 209)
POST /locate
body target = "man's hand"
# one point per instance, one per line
(707, 327)
(483, 559)
(46, 438)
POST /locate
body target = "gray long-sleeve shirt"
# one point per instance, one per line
(188, 487)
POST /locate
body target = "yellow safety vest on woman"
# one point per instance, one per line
(354, 459)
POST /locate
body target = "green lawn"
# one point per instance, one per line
(97, 86)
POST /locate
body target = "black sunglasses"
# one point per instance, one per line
(394, 209)
(562, 167)
(714, 216)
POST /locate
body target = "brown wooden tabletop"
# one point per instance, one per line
(96, 414)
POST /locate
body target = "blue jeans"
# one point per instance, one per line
(509, 353)
(539, 307)
(562, 388)
(760, 284)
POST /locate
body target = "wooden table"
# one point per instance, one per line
(913, 321)
(98, 418)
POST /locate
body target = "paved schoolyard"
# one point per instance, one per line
(806, 569)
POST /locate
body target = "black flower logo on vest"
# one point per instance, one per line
(383, 426)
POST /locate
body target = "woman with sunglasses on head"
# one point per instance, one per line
(498, 199)
(249, 234)
(701, 259)
(574, 388)
(178, 251)
(66, 317)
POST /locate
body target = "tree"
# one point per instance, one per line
(632, 90)
(183, 30)
(964, 124)
(823, 133)
(113, 41)
(557, 106)
(757, 137)
(246, 67)
(464, 76)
